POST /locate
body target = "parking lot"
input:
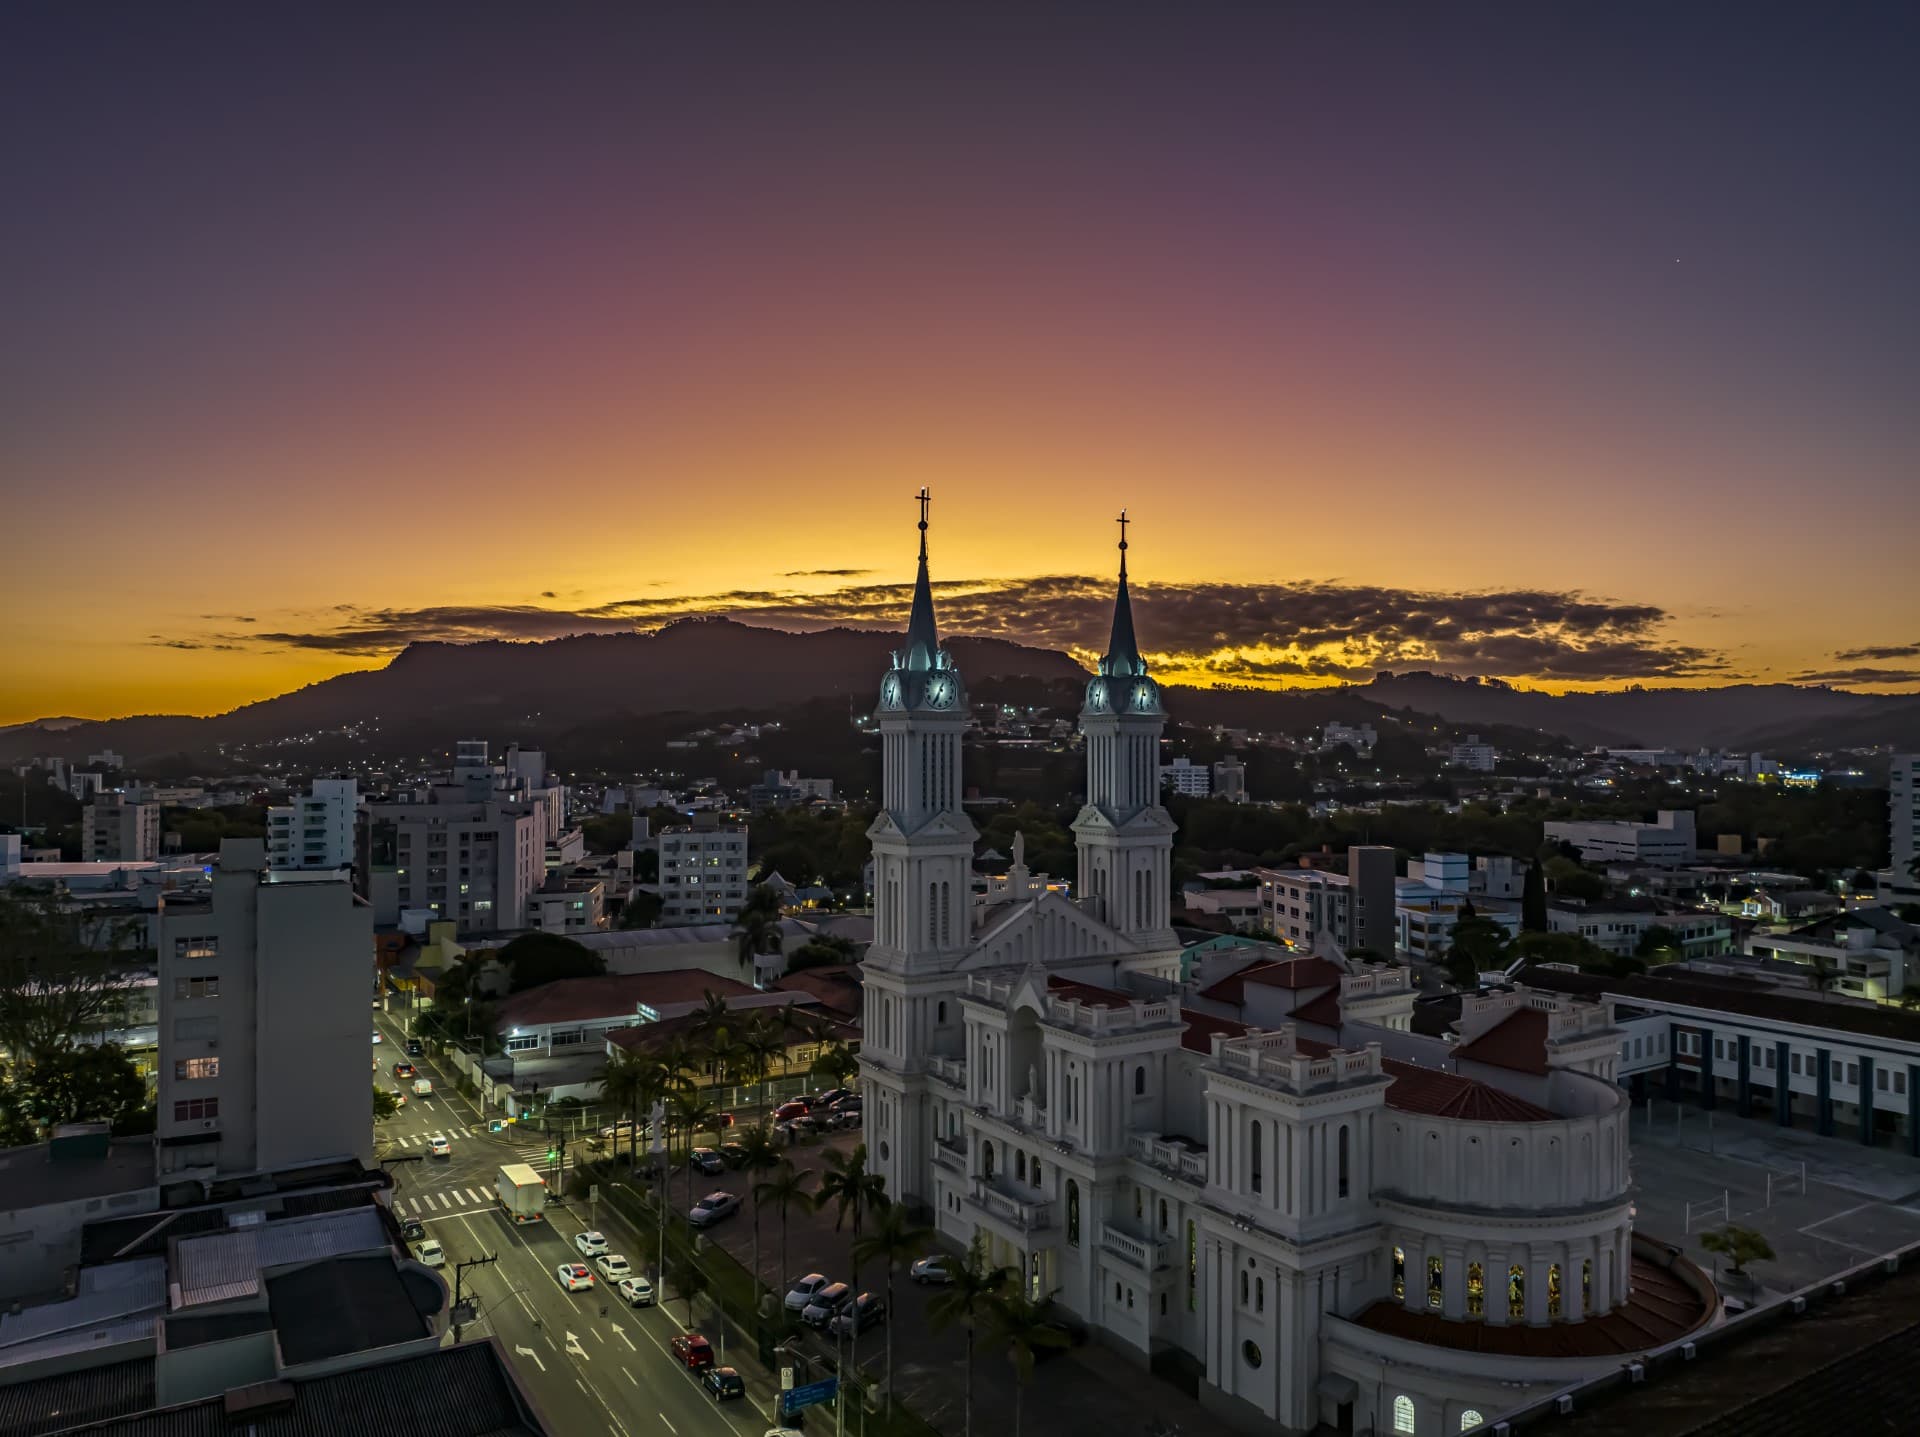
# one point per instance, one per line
(1823, 1204)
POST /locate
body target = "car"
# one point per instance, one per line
(805, 1290)
(723, 1383)
(712, 1208)
(786, 1112)
(637, 1291)
(831, 1096)
(399, 1098)
(722, 1120)
(432, 1254)
(376, 1036)
(413, 1229)
(590, 1244)
(692, 1350)
(416, 1048)
(405, 1070)
(826, 1303)
(623, 1129)
(707, 1160)
(851, 1116)
(613, 1267)
(935, 1269)
(867, 1311)
(439, 1147)
(784, 1432)
(422, 1087)
(574, 1276)
(733, 1154)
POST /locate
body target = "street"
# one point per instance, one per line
(592, 1363)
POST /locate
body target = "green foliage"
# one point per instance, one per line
(806, 845)
(642, 910)
(1739, 1245)
(1479, 946)
(607, 832)
(1571, 948)
(1815, 831)
(536, 958)
(91, 1083)
(822, 952)
(202, 829)
(385, 1102)
(835, 1064)
(1570, 880)
(63, 974)
(1659, 944)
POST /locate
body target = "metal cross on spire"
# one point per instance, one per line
(925, 497)
(1123, 543)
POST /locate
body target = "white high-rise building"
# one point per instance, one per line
(1903, 822)
(115, 830)
(263, 1020)
(703, 871)
(316, 831)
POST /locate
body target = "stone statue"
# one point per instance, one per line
(1019, 851)
(1033, 1083)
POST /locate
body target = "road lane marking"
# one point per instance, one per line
(529, 1352)
(574, 1349)
(630, 1377)
(460, 1197)
(621, 1333)
(669, 1426)
(416, 1203)
(596, 1334)
(477, 1196)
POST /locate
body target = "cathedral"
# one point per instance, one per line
(1235, 1158)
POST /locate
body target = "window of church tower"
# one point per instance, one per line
(1253, 1153)
(1517, 1292)
(1193, 1267)
(1140, 1082)
(1259, 1294)
(940, 1012)
(1553, 1290)
(1586, 1285)
(1400, 1273)
(1163, 1218)
(1139, 1204)
(1403, 1413)
(1470, 1419)
(1436, 1281)
(1476, 1290)
(1343, 1160)
(1020, 1166)
(1073, 1213)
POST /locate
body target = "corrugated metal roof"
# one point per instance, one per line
(57, 1404)
(106, 1295)
(225, 1265)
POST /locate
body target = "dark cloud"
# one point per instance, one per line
(1226, 633)
(164, 643)
(229, 618)
(1885, 651)
(548, 594)
(826, 573)
(1859, 676)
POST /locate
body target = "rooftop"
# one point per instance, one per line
(1731, 995)
(301, 1193)
(571, 1000)
(223, 1265)
(1091, 994)
(32, 1177)
(1518, 1041)
(1438, 1094)
(352, 1304)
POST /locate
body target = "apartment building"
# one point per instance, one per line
(474, 863)
(1903, 825)
(115, 830)
(1187, 778)
(263, 1020)
(703, 872)
(1475, 755)
(566, 904)
(1619, 924)
(315, 831)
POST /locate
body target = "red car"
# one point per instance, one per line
(693, 1351)
(786, 1112)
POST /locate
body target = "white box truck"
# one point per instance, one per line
(523, 1193)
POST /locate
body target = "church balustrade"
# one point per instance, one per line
(1143, 1253)
(1026, 1214)
(951, 1071)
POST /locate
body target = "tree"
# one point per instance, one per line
(689, 1277)
(1479, 946)
(90, 1083)
(787, 1186)
(1739, 1245)
(835, 1063)
(757, 1156)
(713, 1027)
(536, 958)
(757, 929)
(1570, 879)
(760, 1043)
(853, 1192)
(964, 1300)
(892, 1239)
(1533, 900)
(641, 910)
(1020, 1326)
(63, 978)
(1568, 948)
(690, 1113)
(1660, 944)
(385, 1102)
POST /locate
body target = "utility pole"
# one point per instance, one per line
(459, 1273)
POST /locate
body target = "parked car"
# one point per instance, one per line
(404, 1070)
(805, 1290)
(623, 1128)
(830, 1097)
(849, 1115)
(693, 1351)
(733, 1154)
(826, 1303)
(613, 1267)
(793, 1129)
(935, 1269)
(590, 1244)
(413, 1230)
(432, 1254)
(712, 1208)
(723, 1383)
(439, 1147)
(376, 1036)
(858, 1316)
(707, 1161)
(415, 1048)
(637, 1291)
(786, 1112)
(574, 1276)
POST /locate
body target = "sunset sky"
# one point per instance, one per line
(1577, 345)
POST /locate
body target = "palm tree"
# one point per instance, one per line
(625, 1078)
(690, 1113)
(787, 1186)
(712, 1025)
(836, 1063)
(1020, 1325)
(758, 926)
(757, 1155)
(853, 1192)
(974, 1284)
(892, 1239)
(759, 1045)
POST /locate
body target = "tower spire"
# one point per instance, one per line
(923, 641)
(1123, 652)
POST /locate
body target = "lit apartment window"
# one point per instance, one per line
(202, 947)
(189, 1069)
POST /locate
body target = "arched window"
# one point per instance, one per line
(1253, 1152)
(1586, 1286)
(1400, 1273)
(1553, 1290)
(1073, 1213)
(1163, 1218)
(1243, 1289)
(933, 913)
(1020, 1166)
(1470, 1419)
(1343, 1160)
(1033, 1171)
(1259, 1294)
(1476, 1290)
(940, 1013)
(1140, 1081)
(946, 921)
(1139, 1204)
(1517, 1292)
(1403, 1413)
(986, 1160)
(1436, 1282)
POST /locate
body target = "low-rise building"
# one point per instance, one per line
(1618, 925)
(1667, 842)
(567, 904)
(1474, 755)
(1864, 953)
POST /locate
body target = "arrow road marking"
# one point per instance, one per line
(574, 1349)
(529, 1352)
(621, 1333)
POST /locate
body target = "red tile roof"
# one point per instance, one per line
(1202, 1026)
(1661, 1308)
(1233, 988)
(1518, 1041)
(1448, 1095)
(836, 988)
(1322, 1011)
(579, 1000)
(1090, 994)
(1297, 973)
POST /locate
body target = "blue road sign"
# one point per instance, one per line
(811, 1395)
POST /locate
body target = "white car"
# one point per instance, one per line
(935, 1269)
(432, 1254)
(439, 1147)
(574, 1275)
(376, 1036)
(613, 1267)
(805, 1290)
(591, 1244)
(637, 1291)
(712, 1208)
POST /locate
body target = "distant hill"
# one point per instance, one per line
(1736, 716)
(720, 666)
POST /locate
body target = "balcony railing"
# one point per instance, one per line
(951, 1071)
(1028, 1216)
(1031, 1113)
(951, 1156)
(1172, 1157)
(1144, 1253)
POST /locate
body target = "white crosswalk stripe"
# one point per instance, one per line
(477, 1196)
(415, 1202)
(459, 1197)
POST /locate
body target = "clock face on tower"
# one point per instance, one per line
(940, 692)
(1143, 697)
(890, 692)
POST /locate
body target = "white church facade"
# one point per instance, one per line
(1260, 1166)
